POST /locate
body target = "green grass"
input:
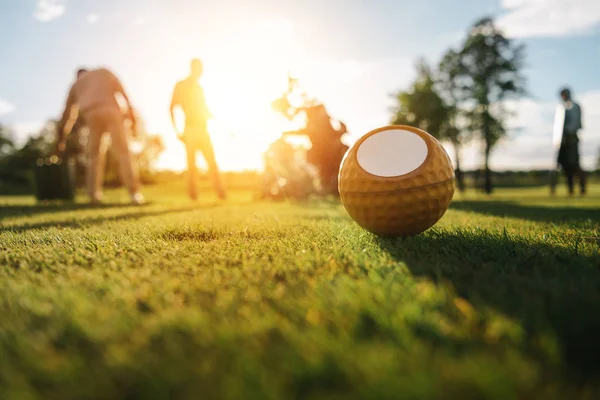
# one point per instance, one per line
(500, 300)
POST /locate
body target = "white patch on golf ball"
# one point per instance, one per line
(393, 152)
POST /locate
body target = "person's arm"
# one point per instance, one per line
(299, 132)
(66, 122)
(130, 114)
(579, 117)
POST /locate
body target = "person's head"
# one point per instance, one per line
(80, 72)
(196, 68)
(565, 94)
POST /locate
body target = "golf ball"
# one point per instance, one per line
(396, 181)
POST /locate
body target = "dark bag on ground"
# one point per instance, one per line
(54, 179)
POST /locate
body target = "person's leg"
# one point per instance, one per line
(102, 162)
(192, 171)
(213, 169)
(553, 181)
(96, 156)
(569, 173)
(563, 163)
(582, 181)
(580, 172)
(127, 172)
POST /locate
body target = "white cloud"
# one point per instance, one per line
(139, 21)
(527, 18)
(47, 10)
(6, 107)
(92, 18)
(530, 117)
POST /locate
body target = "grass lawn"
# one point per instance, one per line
(244, 299)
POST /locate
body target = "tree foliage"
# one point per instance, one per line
(423, 106)
(486, 71)
(6, 143)
(16, 164)
(463, 98)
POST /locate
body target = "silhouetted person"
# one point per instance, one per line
(93, 99)
(188, 95)
(568, 154)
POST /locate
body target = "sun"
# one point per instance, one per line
(244, 123)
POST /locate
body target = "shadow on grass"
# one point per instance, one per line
(17, 210)
(327, 218)
(527, 212)
(85, 222)
(544, 287)
(320, 202)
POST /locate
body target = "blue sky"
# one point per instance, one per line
(350, 54)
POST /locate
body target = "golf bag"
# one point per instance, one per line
(54, 179)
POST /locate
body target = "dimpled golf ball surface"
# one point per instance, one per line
(396, 181)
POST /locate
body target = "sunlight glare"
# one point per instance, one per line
(243, 74)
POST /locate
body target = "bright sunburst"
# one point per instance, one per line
(243, 75)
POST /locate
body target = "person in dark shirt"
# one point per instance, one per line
(568, 154)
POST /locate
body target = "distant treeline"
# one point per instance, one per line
(473, 178)
(17, 163)
(250, 180)
(538, 177)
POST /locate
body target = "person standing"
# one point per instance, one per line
(568, 153)
(93, 99)
(189, 96)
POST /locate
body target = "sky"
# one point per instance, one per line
(349, 54)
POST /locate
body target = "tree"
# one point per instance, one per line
(422, 106)
(37, 146)
(153, 146)
(449, 89)
(7, 146)
(486, 72)
(16, 165)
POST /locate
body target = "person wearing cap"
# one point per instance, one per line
(189, 96)
(93, 98)
(568, 154)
